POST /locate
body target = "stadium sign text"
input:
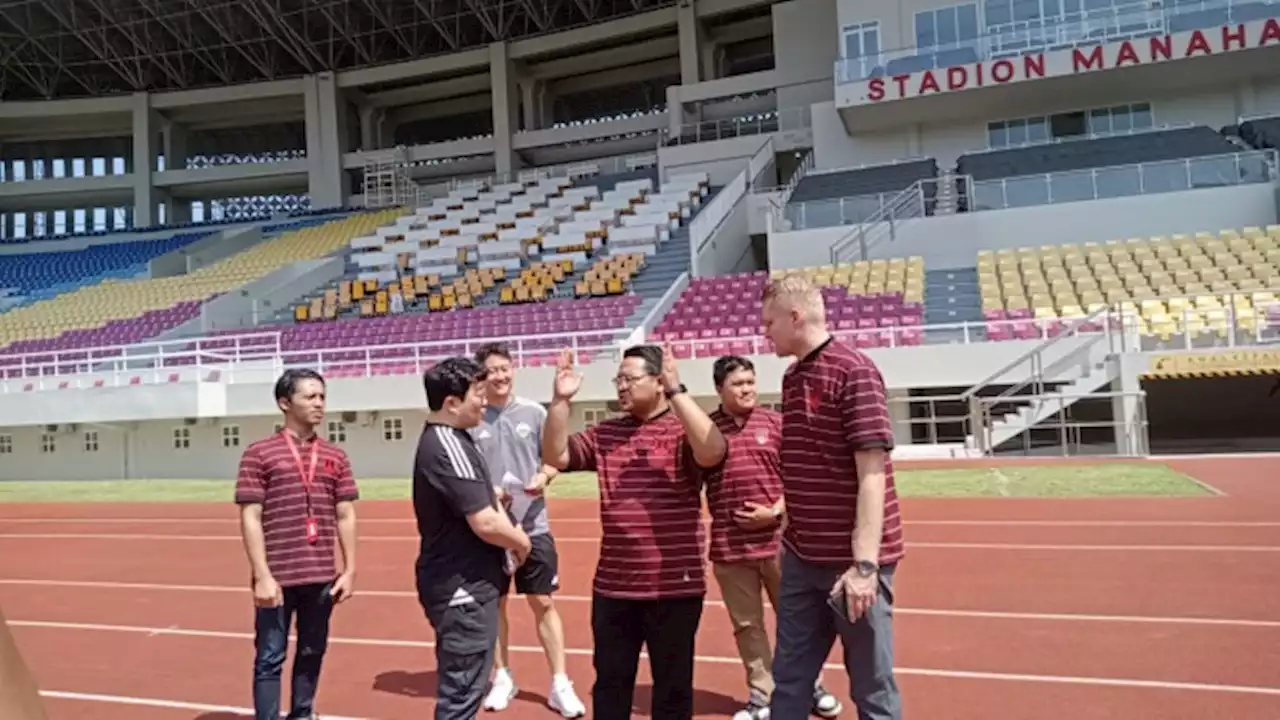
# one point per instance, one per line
(1231, 38)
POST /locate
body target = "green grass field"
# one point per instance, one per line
(1103, 480)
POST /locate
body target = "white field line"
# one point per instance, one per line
(229, 521)
(167, 704)
(596, 541)
(927, 612)
(709, 659)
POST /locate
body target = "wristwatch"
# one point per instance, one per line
(672, 392)
(866, 568)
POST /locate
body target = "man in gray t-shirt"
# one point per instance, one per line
(510, 438)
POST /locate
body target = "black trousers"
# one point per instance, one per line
(313, 606)
(666, 628)
(466, 637)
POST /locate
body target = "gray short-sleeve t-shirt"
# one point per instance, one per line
(510, 438)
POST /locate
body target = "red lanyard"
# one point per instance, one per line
(308, 475)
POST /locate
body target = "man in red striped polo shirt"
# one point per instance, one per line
(843, 536)
(296, 495)
(650, 580)
(744, 495)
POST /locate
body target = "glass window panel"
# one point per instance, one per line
(945, 20)
(997, 135)
(997, 12)
(926, 30)
(1026, 10)
(1037, 130)
(967, 22)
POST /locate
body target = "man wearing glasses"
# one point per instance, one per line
(650, 580)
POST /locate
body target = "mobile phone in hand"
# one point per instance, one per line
(839, 604)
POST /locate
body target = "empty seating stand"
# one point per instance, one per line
(843, 197)
(1262, 133)
(1087, 154)
(1180, 284)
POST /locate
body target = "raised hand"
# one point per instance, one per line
(568, 379)
(670, 368)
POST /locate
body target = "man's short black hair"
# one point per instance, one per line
(488, 350)
(728, 365)
(287, 385)
(451, 377)
(650, 354)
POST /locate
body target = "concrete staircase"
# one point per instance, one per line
(1011, 425)
(952, 296)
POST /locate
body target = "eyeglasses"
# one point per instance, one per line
(625, 380)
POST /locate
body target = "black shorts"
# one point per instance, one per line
(540, 574)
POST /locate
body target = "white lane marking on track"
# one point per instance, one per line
(594, 521)
(595, 540)
(934, 612)
(167, 704)
(710, 659)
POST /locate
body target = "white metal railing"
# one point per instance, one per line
(709, 219)
(786, 119)
(603, 166)
(1123, 20)
(1115, 181)
(883, 225)
(42, 372)
(233, 346)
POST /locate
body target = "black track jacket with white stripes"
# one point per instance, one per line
(450, 482)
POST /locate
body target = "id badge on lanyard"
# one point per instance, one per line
(308, 476)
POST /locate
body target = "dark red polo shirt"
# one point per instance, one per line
(650, 507)
(751, 472)
(833, 404)
(270, 475)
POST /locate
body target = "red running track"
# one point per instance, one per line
(1007, 608)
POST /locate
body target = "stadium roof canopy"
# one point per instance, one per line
(86, 48)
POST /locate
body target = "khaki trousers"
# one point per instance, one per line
(741, 586)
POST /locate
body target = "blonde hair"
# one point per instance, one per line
(794, 291)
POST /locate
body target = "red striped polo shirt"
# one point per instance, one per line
(750, 473)
(269, 475)
(653, 541)
(833, 404)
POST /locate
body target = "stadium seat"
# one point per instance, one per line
(1194, 284)
(38, 276)
(537, 332)
(119, 312)
(721, 315)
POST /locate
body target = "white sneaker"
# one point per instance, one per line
(501, 691)
(564, 700)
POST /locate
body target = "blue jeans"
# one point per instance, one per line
(807, 628)
(313, 606)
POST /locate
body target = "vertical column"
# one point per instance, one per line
(175, 158)
(328, 184)
(506, 118)
(690, 42)
(1125, 413)
(145, 130)
(372, 125)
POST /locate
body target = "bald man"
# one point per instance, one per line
(843, 536)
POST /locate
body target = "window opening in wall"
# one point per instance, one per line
(948, 27)
(392, 429)
(181, 438)
(591, 417)
(230, 436)
(91, 441)
(1075, 124)
(6, 444)
(48, 443)
(337, 432)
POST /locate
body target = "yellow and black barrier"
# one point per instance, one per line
(1222, 363)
